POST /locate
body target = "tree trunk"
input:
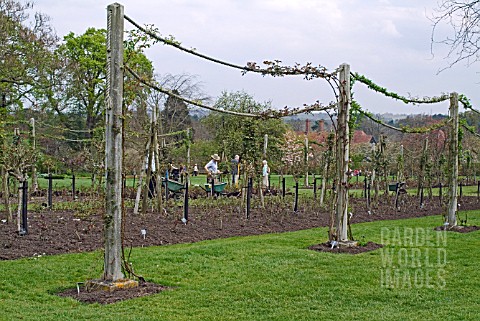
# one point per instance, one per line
(423, 164)
(114, 146)
(140, 180)
(324, 181)
(19, 209)
(343, 143)
(149, 171)
(34, 146)
(453, 162)
(6, 195)
(306, 183)
(139, 191)
(156, 153)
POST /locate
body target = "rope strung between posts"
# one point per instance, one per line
(269, 113)
(470, 130)
(408, 130)
(65, 139)
(16, 122)
(308, 71)
(466, 103)
(65, 129)
(173, 133)
(371, 85)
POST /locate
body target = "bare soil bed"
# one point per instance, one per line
(326, 247)
(56, 232)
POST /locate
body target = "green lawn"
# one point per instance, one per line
(268, 277)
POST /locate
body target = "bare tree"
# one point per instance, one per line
(175, 115)
(463, 16)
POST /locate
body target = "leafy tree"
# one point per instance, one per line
(244, 135)
(25, 45)
(82, 77)
(86, 60)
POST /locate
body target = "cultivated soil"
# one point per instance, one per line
(54, 232)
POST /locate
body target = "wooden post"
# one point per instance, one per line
(188, 150)
(343, 149)
(185, 203)
(114, 145)
(383, 146)
(148, 179)
(400, 166)
(265, 146)
(24, 229)
(156, 159)
(440, 193)
(451, 218)
(6, 194)
(34, 147)
(324, 181)
(423, 164)
(295, 204)
(73, 187)
(306, 183)
(249, 197)
(478, 190)
(140, 180)
(50, 191)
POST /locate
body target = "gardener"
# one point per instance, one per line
(212, 167)
(265, 173)
(235, 165)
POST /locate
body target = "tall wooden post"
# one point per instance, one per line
(265, 146)
(150, 161)
(400, 165)
(343, 154)
(34, 147)
(6, 194)
(306, 184)
(423, 165)
(158, 175)
(188, 149)
(451, 218)
(113, 145)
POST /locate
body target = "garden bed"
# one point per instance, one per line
(56, 232)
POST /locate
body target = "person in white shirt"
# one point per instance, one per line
(212, 166)
(265, 173)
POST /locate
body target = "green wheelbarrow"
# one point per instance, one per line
(172, 186)
(217, 188)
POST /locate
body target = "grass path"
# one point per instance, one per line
(267, 277)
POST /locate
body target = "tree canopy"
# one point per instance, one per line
(245, 136)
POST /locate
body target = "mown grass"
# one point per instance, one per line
(267, 277)
(85, 183)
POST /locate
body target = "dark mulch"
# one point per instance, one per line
(105, 297)
(57, 232)
(459, 229)
(326, 247)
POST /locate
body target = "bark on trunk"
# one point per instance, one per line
(453, 162)
(343, 142)
(6, 195)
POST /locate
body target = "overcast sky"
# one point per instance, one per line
(387, 41)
